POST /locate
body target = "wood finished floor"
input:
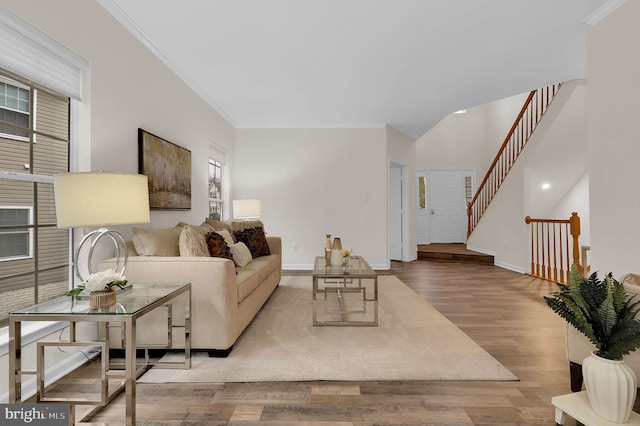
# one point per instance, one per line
(502, 311)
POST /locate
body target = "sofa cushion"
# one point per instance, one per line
(264, 266)
(631, 283)
(241, 254)
(193, 242)
(156, 242)
(247, 281)
(218, 246)
(255, 240)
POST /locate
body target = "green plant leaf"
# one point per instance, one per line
(602, 311)
(76, 291)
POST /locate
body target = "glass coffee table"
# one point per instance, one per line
(345, 295)
(132, 303)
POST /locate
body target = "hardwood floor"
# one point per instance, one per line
(501, 310)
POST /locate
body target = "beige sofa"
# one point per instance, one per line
(579, 347)
(224, 297)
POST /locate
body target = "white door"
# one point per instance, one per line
(395, 213)
(446, 206)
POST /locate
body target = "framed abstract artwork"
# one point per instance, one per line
(168, 167)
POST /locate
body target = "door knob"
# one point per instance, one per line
(433, 211)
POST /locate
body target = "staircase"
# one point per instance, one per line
(453, 252)
(523, 127)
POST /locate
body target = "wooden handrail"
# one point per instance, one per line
(504, 144)
(550, 249)
(525, 123)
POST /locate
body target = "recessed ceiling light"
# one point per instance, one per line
(462, 111)
(546, 185)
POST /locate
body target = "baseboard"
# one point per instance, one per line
(510, 267)
(481, 250)
(503, 265)
(298, 267)
(55, 372)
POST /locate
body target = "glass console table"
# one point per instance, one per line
(345, 295)
(135, 301)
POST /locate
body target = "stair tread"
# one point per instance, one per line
(458, 252)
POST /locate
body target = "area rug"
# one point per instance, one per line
(412, 342)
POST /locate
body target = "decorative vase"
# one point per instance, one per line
(611, 387)
(336, 252)
(327, 250)
(102, 299)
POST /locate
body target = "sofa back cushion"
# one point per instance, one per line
(156, 242)
(218, 225)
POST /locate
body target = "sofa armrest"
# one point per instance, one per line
(275, 245)
(214, 295)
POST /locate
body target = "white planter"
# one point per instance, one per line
(611, 387)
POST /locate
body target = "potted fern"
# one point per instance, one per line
(602, 311)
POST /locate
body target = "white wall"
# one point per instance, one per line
(470, 140)
(560, 158)
(613, 73)
(314, 182)
(576, 200)
(131, 88)
(501, 231)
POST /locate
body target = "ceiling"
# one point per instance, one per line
(360, 63)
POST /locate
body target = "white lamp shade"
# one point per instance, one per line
(247, 209)
(100, 199)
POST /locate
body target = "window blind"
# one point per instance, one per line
(28, 52)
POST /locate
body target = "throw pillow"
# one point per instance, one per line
(217, 225)
(192, 242)
(218, 246)
(240, 225)
(255, 240)
(241, 254)
(204, 227)
(227, 237)
(156, 242)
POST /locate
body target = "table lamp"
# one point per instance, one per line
(247, 209)
(87, 199)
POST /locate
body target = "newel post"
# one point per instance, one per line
(574, 227)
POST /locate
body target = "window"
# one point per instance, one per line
(422, 192)
(215, 189)
(15, 234)
(14, 110)
(468, 189)
(34, 253)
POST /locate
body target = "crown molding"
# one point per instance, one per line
(603, 11)
(128, 23)
(316, 126)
